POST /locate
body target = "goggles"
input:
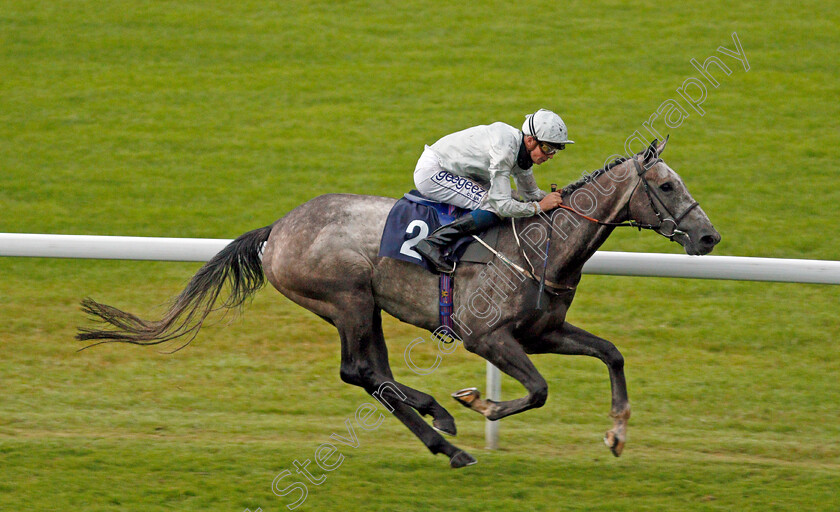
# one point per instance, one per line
(549, 148)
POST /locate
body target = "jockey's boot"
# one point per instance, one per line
(434, 246)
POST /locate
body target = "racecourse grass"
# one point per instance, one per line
(210, 119)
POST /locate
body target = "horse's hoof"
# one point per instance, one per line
(447, 426)
(467, 396)
(615, 444)
(461, 459)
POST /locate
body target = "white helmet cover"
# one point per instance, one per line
(546, 126)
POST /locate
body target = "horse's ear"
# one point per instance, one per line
(660, 148)
(650, 152)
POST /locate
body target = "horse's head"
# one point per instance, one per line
(662, 200)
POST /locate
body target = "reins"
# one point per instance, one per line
(651, 194)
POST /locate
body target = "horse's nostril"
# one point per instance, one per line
(709, 240)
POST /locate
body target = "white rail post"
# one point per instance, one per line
(494, 392)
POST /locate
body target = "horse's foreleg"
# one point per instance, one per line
(571, 340)
(508, 356)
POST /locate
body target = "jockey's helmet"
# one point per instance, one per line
(546, 126)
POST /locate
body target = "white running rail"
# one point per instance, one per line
(612, 263)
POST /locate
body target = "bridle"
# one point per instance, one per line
(654, 198)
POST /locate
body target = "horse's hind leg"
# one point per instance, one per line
(424, 403)
(571, 340)
(364, 363)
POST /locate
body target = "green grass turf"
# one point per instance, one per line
(209, 119)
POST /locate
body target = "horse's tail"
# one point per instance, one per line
(238, 265)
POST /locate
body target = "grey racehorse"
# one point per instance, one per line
(323, 256)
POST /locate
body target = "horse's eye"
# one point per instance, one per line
(666, 187)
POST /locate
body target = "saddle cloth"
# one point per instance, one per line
(414, 217)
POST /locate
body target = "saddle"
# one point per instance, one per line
(414, 217)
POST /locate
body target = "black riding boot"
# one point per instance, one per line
(434, 246)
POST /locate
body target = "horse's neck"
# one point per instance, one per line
(585, 237)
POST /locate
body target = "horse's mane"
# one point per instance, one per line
(568, 189)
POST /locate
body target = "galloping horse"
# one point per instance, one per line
(323, 256)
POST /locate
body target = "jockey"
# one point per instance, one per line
(472, 169)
